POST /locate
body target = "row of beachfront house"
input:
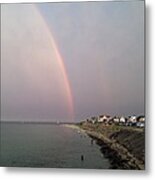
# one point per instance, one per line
(138, 121)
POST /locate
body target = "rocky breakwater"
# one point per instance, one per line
(123, 146)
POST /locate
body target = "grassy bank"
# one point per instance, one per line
(124, 146)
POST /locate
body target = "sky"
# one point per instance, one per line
(71, 61)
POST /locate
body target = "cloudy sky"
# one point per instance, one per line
(70, 61)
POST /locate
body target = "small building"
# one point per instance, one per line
(110, 121)
(101, 119)
(122, 120)
(104, 119)
(93, 120)
(141, 119)
(116, 120)
(131, 121)
(140, 124)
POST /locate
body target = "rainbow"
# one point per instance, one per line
(60, 63)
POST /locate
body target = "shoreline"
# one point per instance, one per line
(118, 155)
(74, 126)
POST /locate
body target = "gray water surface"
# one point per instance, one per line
(48, 145)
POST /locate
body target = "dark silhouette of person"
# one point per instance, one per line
(82, 158)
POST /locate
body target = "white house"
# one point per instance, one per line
(122, 119)
(116, 119)
(141, 119)
(132, 119)
(100, 119)
(104, 118)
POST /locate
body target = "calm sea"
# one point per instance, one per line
(47, 145)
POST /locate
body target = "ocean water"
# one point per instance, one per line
(48, 145)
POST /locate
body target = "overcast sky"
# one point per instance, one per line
(102, 48)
